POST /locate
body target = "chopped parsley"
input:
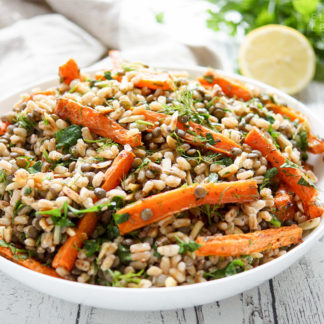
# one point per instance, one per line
(68, 137)
(37, 167)
(120, 280)
(25, 122)
(191, 246)
(213, 177)
(28, 191)
(275, 221)
(18, 206)
(305, 182)
(121, 218)
(270, 173)
(92, 247)
(208, 78)
(124, 254)
(107, 75)
(236, 266)
(274, 135)
(15, 251)
(210, 139)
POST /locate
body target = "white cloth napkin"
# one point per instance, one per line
(32, 49)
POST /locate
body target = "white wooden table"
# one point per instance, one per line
(295, 296)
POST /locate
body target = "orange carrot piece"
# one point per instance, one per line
(315, 145)
(120, 167)
(67, 254)
(291, 113)
(291, 176)
(175, 201)
(3, 127)
(244, 244)
(97, 123)
(231, 87)
(44, 93)
(69, 72)
(154, 80)
(284, 204)
(222, 143)
(28, 262)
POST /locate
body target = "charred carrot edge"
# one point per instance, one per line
(28, 262)
(120, 167)
(223, 144)
(290, 176)
(315, 145)
(291, 113)
(67, 254)
(284, 204)
(244, 244)
(3, 127)
(97, 123)
(231, 87)
(151, 80)
(174, 201)
(69, 71)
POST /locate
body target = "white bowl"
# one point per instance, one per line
(175, 297)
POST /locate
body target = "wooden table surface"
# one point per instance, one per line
(295, 296)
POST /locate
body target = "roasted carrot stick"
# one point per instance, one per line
(68, 252)
(315, 145)
(222, 143)
(3, 127)
(244, 244)
(231, 87)
(293, 177)
(97, 123)
(120, 167)
(152, 80)
(291, 113)
(27, 262)
(284, 204)
(69, 72)
(160, 206)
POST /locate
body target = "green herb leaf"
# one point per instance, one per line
(37, 167)
(270, 173)
(290, 164)
(28, 191)
(107, 75)
(25, 122)
(68, 137)
(302, 141)
(121, 218)
(159, 17)
(191, 246)
(19, 205)
(275, 221)
(3, 177)
(124, 254)
(120, 280)
(210, 139)
(236, 266)
(92, 247)
(305, 182)
(270, 119)
(209, 78)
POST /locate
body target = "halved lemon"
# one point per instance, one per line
(279, 56)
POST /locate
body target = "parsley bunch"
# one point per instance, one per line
(307, 16)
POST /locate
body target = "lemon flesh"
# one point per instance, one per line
(279, 56)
